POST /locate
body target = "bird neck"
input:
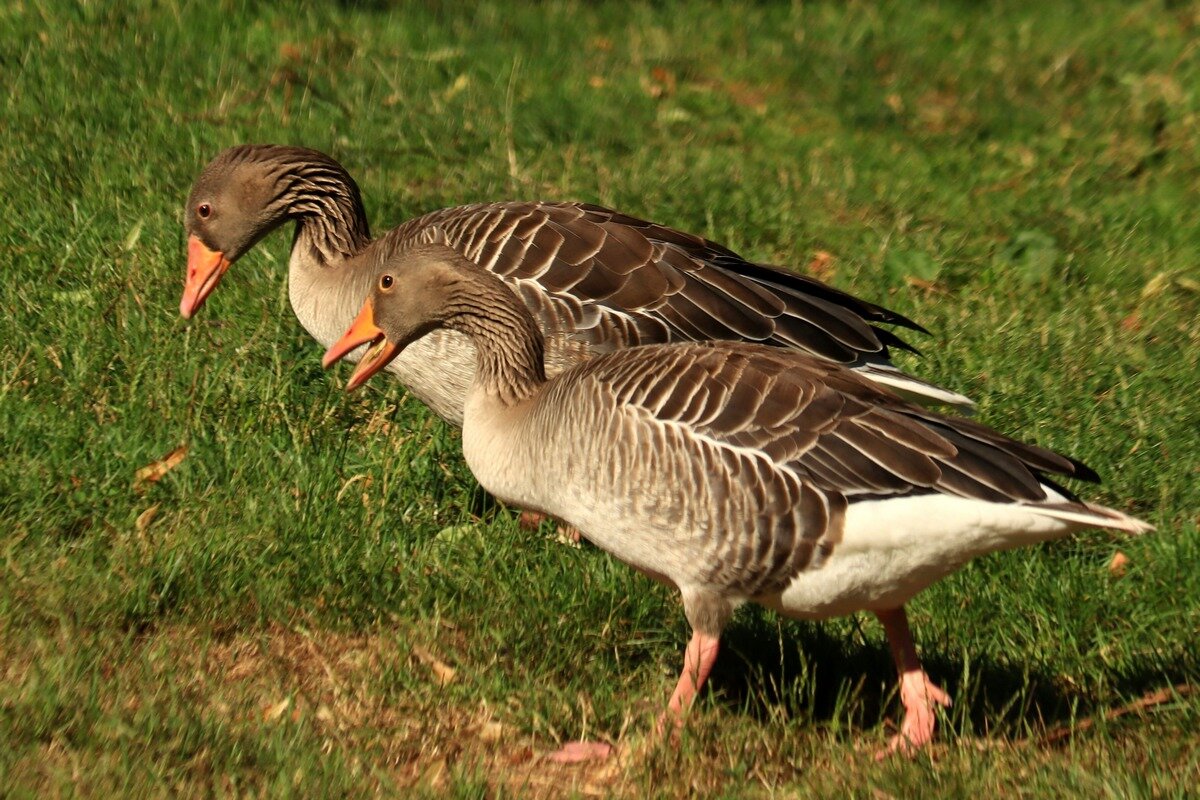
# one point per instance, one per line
(509, 346)
(331, 223)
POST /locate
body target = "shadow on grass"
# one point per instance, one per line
(823, 673)
(813, 674)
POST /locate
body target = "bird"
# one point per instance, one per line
(596, 280)
(734, 472)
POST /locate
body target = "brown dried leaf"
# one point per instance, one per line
(821, 265)
(1132, 323)
(929, 287)
(661, 83)
(1118, 565)
(440, 669)
(274, 712)
(145, 518)
(520, 756)
(154, 471)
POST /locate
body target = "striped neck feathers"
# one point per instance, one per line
(510, 348)
(324, 200)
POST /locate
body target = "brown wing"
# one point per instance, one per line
(623, 281)
(799, 439)
(829, 424)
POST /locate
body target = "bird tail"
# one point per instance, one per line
(1092, 516)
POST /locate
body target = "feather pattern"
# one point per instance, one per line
(627, 266)
(596, 280)
(735, 471)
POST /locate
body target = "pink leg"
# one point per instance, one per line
(917, 691)
(698, 661)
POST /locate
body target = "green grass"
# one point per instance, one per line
(1021, 178)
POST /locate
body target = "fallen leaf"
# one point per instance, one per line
(145, 518)
(596, 82)
(154, 471)
(290, 52)
(1132, 323)
(520, 756)
(929, 287)
(821, 265)
(1117, 566)
(661, 84)
(440, 669)
(272, 713)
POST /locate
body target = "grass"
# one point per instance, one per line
(318, 600)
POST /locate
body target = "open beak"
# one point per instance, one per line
(363, 331)
(204, 270)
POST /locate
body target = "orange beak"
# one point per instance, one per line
(362, 331)
(204, 270)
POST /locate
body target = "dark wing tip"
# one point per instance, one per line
(889, 339)
(1082, 471)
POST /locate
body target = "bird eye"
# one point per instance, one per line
(386, 282)
(204, 210)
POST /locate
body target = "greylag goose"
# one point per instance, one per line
(733, 472)
(594, 279)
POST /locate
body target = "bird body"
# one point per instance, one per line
(673, 497)
(734, 472)
(594, 279)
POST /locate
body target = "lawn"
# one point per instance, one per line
(220, 574)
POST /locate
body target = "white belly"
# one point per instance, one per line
(892, 549)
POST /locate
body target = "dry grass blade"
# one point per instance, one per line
(444, 673)
(1155, 698)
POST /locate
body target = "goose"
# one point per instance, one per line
(733, 472)
(595, 280)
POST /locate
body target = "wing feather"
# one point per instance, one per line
(657, 282)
